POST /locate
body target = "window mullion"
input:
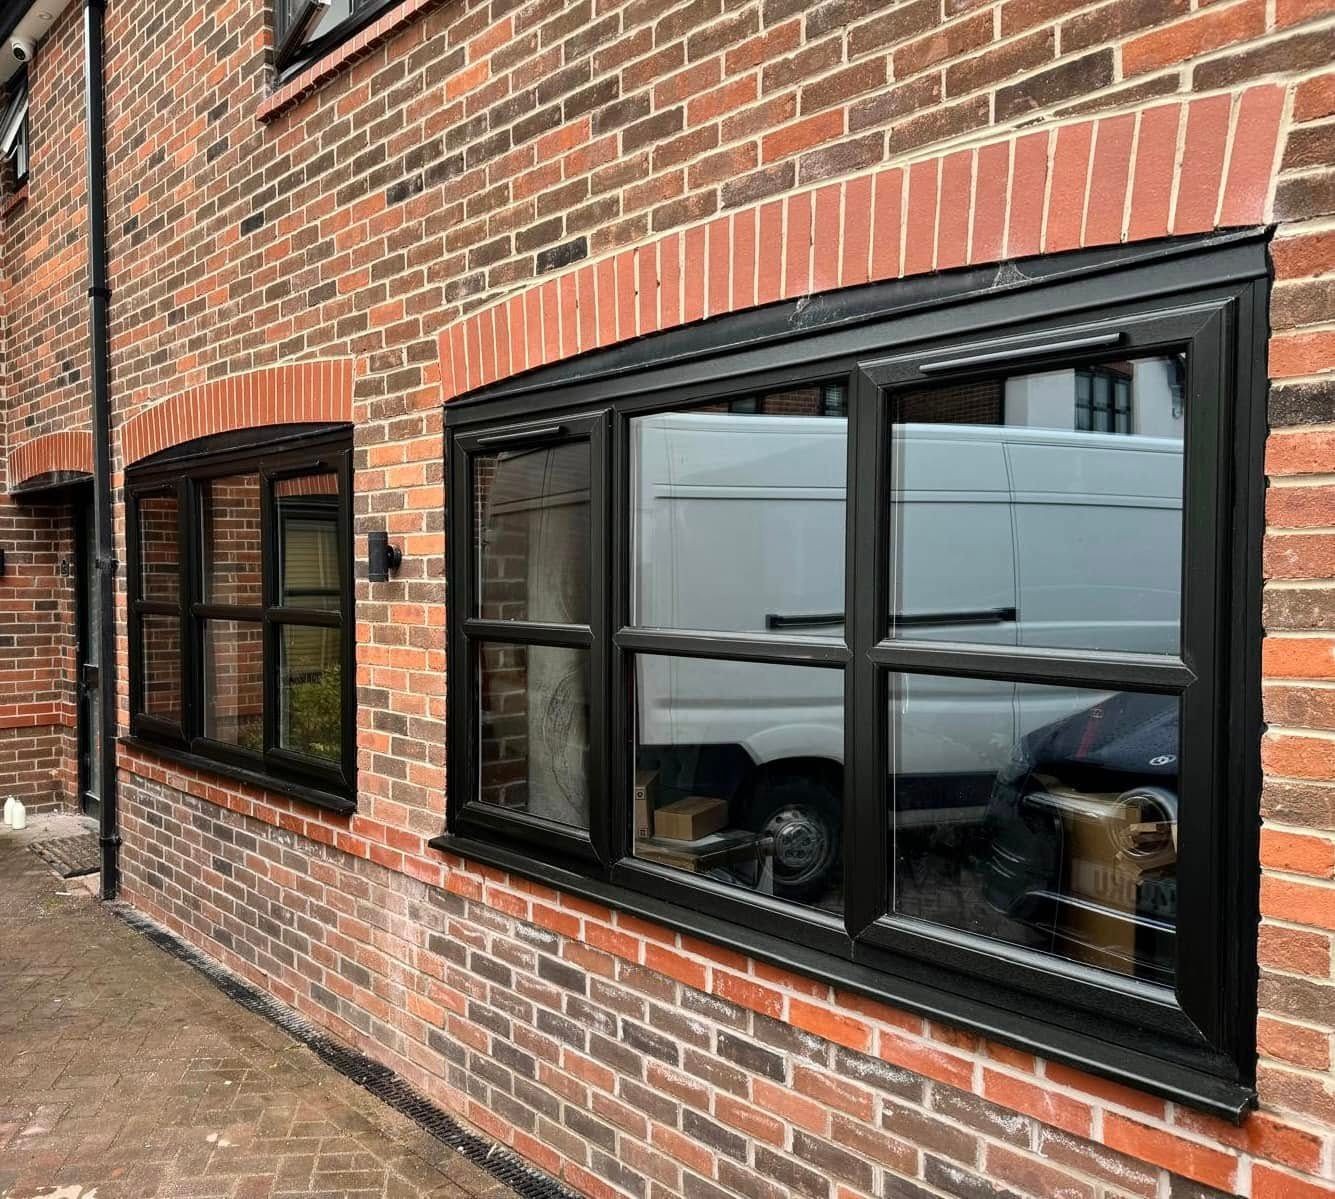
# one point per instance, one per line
(866, 849)
(190, 571)
(269, 596)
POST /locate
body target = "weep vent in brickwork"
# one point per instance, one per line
(295, 393)
(1169, 169)
(51, 452)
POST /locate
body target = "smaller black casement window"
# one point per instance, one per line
(911, 641)
(14, 133)
(306, 30)
(241, 608)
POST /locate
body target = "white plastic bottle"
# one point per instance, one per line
(20, 816)
(9, 811)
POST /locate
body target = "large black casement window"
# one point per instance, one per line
(241, 608)
(917, 651)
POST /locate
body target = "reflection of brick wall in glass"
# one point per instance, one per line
(531, 529)
(233, 578)
(159, 569)
(232, 565)
(978, 403)
(161, 640)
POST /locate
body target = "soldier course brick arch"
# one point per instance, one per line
(295, 393)
(1183, 167)
(67, 451)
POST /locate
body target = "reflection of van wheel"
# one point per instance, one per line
(801, 814)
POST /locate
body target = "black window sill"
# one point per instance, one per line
(1087, 1051)
(330, 801)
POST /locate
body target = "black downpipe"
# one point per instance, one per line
(99, 296)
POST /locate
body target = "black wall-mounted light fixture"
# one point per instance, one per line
(382, 559)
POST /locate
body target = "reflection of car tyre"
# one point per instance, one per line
(802, 815)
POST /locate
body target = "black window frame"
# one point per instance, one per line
(18, 96)
(1205, 296)
(293, 51)
(272, 455)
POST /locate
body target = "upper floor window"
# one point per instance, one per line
(918, 646)
(241, 621)
(305, 30)
(14, 134)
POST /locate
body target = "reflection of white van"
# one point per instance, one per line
(1004, 535)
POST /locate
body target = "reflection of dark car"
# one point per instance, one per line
(1082, 833)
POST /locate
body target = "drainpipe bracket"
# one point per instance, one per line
(99, 293)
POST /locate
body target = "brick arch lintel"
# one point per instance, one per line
(1182, 167)
(70, 450)
(319, 391)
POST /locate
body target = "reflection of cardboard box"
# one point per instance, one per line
(646, 788)
(691, 818)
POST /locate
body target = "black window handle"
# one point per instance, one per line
(1052, 347)
(522, 435)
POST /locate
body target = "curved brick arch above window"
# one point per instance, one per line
(1184, 167)
(50, 454)
(296, 393)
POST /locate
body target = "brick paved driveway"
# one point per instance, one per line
(124, 1073)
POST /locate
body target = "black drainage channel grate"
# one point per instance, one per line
(379, 1080)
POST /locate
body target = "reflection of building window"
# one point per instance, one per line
(240, 596)
(1103, 400)
(14, 135)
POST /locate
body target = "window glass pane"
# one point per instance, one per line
(161, 641)
(234, 683)
(531, 529)
(310, 691)
(534, 721)
(231, 515)
(1020, 518)
(159, 571)
(739, 513)
(307, 518)
(1041, 816)
(738, 774)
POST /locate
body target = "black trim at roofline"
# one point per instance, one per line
(254, 778)
(829, 312)
(1201, 1091)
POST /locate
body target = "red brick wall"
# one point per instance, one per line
(533, 180)
(43, 412)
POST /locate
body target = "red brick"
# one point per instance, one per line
(1029, 177)
(831, 1025)
(989, 204)
(1251, 156)
(1268, 1183)
(1043, 1103)
(1184, 39)
(920, 219)
(855, 253)
(952, 237)
(1066, 196)
(1108, 179)
(826, 238)
(1152, 186)
(797, 245)
(1189, 1158)
(887, 224)
(1202, 164)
